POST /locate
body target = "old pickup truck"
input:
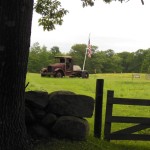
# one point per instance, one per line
(64, 67)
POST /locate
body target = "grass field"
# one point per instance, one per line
(122, 84)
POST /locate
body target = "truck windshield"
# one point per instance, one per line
(62, 60)
(59, 60)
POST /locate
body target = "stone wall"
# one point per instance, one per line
(59, 114)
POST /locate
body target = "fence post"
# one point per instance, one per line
(98, 108)
(109, 109)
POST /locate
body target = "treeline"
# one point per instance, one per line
(101, 61)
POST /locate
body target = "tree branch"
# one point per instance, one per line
(142, 1)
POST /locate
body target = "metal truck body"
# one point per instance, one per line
(64, 67)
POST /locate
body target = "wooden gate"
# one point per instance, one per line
(141, 123)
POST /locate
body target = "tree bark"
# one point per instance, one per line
(15, 31)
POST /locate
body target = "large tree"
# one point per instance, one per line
(15, 30)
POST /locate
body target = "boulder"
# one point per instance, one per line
(37, 99)
(49, 120)
(29, 117)
(71, 127)
(39, 131)
(55, 93)
(71, 105)
(38, 113)
(58, 114)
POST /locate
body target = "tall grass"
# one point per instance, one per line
(122, 84)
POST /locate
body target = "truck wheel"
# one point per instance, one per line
(59, 74)
(42, 75)
(85, 74)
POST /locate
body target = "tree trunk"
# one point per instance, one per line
(15, 31)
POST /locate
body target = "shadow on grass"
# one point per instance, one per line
(91, 144)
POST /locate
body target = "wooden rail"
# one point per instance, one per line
(136, 75)
(141, 123)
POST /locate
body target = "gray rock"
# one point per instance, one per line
(38, 113)
(55, 93)
(71, 105)
(37, 99)
(49, 120)
(40, 131)
(29, 117)
(71, 127)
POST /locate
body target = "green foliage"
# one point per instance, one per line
(148, 70)
(51, 13)
(97, 62)
(138, 60)
(145, 68)
(127, 60)
(108, 1)
(40, 57)
(88, 3)
(101, 61)
(78, 53)
(54, 51)
(91, 2)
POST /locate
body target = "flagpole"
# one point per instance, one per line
(84, 59)
(85, 56)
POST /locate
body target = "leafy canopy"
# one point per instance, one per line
(52, 13)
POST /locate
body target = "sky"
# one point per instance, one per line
(116, 26)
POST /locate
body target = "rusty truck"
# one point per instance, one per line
(64, 67)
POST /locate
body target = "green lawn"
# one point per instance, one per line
(122, 84)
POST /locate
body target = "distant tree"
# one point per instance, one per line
(91, 2)
(33, 57)
(116, 64)
(138, 59)
(55, 50)
(43, 58)
(40, 57)
(96, 62)
(145, 68)
(111, 61)
(109, 52)
(78, 53)
(126, 61)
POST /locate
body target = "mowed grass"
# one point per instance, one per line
(123, 86)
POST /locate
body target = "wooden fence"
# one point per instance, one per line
(141, 123)
(136, 75)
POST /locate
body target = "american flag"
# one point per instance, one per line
(89, 49)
